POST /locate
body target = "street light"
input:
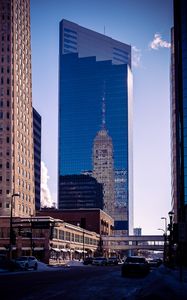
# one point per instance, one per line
(78, 224)
(171, 213)
(11, 227)
(83, 243)
(170, 228)
(165, 242)
(166, 226)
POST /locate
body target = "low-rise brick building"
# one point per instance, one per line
(47, 238)
(90, 219)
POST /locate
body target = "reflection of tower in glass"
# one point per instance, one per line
(103, 163)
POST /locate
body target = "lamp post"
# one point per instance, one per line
(31, 240)
(165, 238)
(166, 226)
(170, 228)
(165, 241)
(78, 224)
(11, 227)
(83, 242)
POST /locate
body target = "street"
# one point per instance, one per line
(79, 282)
(83, 282)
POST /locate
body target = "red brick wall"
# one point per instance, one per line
(92, 218)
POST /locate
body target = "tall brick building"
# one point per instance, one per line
(16, 122)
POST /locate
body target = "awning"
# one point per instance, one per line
(55, 249)
(64, 250)
(79, 251)
(3, 248)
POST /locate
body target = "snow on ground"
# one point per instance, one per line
(57, 266)
(164, 284)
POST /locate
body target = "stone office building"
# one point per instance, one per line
(16, 121)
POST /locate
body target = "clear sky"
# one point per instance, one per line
(145, 25)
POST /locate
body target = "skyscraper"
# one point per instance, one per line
(103, 163)
(87, 60)
(179, 111)
(80, 191)
(37, 156)
(16, 123)
(179, 125)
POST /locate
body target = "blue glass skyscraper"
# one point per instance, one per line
(88, 61)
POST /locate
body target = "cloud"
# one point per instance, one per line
(136, 57)
(46, 199)
(158, 42)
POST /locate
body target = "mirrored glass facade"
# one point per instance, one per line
(92, 64)
(37, 129)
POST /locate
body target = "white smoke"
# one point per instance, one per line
(46, 199)
(158, 42)
(136, 56)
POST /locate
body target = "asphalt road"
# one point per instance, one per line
(74, 283)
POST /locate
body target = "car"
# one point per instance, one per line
(99, 261)
(26, 262)
(135, 265)
(88, 261)
(112, 260)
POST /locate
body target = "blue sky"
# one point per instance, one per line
(135, 22)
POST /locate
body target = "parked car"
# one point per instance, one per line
(112, 261)
(135, 265)
(99, 261)
(26, 262)
(88, 261)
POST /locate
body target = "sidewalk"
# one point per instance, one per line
(67, 263)
(165, 284)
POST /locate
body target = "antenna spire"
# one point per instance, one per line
(104, 109)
